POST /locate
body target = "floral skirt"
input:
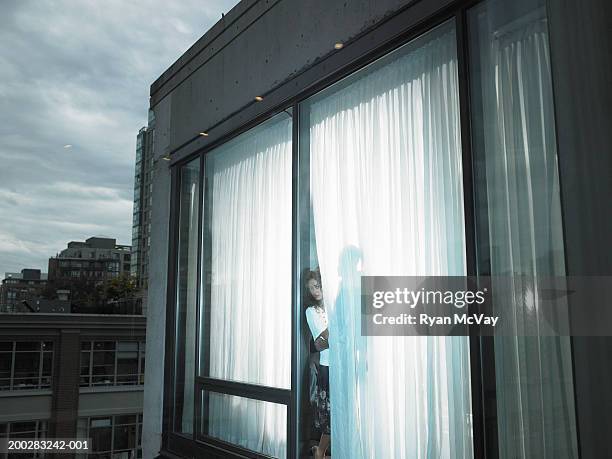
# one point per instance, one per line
(321, 401)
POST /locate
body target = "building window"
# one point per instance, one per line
(380, 183)
(519, 206)
(187, 288)
(26, 365)
(36, 429)
(247, 283)
(118, 436)
(386, 198)
(112, 363)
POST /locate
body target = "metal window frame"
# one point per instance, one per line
(41, 353)
(137, 447)
(91, 352)
(389, 34)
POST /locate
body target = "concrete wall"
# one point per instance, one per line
(25, 406)
(255, 47)
(115, 400)
(156, 295)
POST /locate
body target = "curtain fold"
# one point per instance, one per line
(250, 293)
(387, 197)
(536, 416)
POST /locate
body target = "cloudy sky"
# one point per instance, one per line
(78, 72)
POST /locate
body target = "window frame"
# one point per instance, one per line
(137, 449)
(91, 351)
(405, 25)
(41, 375)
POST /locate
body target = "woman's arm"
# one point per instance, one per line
(322, 341)
(318, 329)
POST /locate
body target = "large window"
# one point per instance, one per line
(387, 199)
(402, 168)
(519, 212)
(245, 330)
(117, 437)
(26, 365)
(186, 297)
(16, 430)
(112, 363)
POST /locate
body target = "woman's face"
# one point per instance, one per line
(314, 288)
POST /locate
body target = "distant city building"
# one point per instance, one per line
(73, 376)
(94, 261)
(143, 198)
(19, 287)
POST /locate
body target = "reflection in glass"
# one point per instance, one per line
(186, 296)
(387, 199)
(519, 213)
(221, 411)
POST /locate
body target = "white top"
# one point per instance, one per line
(317, 322)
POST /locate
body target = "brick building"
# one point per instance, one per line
(19, 287)
(73, 376)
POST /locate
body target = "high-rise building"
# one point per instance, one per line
(141, 221)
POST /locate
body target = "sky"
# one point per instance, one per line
(74, 90)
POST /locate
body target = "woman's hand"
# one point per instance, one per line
(322, 341)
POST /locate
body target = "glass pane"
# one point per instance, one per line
(246, 313)
(17, 427)
(187, 286)
(381, 154)
(26, 370)
(127, 364)
(6, 359)
(104, 346)
(124, 437)
(101, 438)
(104, 358)
(100, 422)
(126, 419)
(253, 424)
(85, 362)
(47, 370)
(28, 346)
(519, 218)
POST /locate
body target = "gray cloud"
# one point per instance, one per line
(78, 72)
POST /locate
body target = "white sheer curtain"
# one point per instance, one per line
(250, 294)
(536, 416)
(386, 185)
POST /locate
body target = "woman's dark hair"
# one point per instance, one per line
(308, 275)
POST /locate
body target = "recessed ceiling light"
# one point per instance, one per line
(204, 134)
(68, 146)
(166, 158)
(339, 45)
(258, 98)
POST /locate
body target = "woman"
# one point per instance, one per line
(316, 316)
